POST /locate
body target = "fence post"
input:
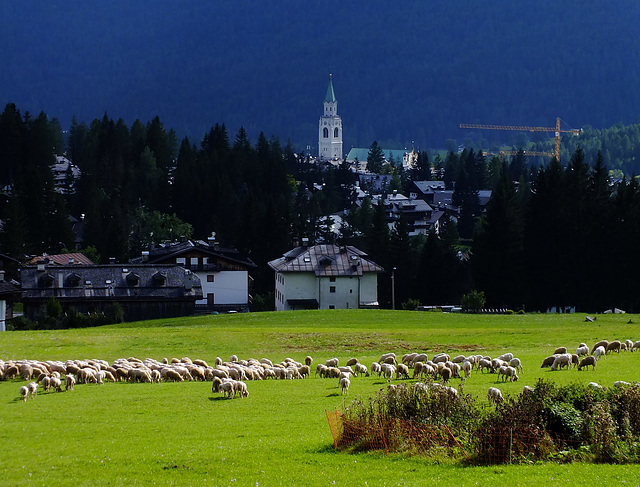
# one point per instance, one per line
(384, 441)
(510, 444)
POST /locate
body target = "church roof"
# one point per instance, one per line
(331, 97)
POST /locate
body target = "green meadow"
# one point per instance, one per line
(183, 434)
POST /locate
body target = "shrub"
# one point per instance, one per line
(473, 301)
(410, 304)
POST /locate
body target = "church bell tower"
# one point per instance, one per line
(330, 129)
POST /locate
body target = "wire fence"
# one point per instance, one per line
(482, 446)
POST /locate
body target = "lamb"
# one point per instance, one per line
(46, 383)
(599, 352)
(69, 382)
(601, 343)
(585, 362)
(515, 363)
(614, 346)
(560, 361)
(24, 393)
(376, 368)
(344, 385)
(466, 366)
(628, 344)
(582, 350)
(494, 395)
(388, 370)
(33, 389)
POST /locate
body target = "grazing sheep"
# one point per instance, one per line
(506, 357)
(575, 360)
(69, 382)
(56, 384)
(516, 364)
(320, 368)
(599, 352)
(585, 362)
(46, 383)
(494, 395)
(621, 383)
(408, 358)
(548, 362)
(360, 369)
(601, 343)
(636, 345)
(402, 371)
(388, 370)
(483, 363)
(458, 359)
(441, 358)
(352, 361)
(233, 358)
(419, 357)
(171, 375)
(376, 368)
(332, 362)
(344, 385)
(560, 350)
(527, 390)
(508, 372)
(466, 367)
(629, 345)
(33, 389)
(308, 360)
(241, 389)
(445, 373)
(582, 350)
(305, 371)
(417, 369)
(496, 363)
(389, 358)
(614, 346)
(24, 393)
(560, 361)
(11, 372)
(595, 385)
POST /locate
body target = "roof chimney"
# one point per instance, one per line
(1, 276)
(71, 261)
(112, 260)
(145, 256)
(305, 241)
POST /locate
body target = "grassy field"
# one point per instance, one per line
(182, 434)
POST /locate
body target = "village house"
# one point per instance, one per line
(325, 277)
(223, 272)
(143, 291)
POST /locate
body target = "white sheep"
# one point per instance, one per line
(241, 389)
(360, 369)
(582, 350)
(561, 360)
(56, 384)
(629, 345)
(511, 374)
(595, 385)
(636, 345)
(516, 364)
(402, 371)
(494, 395)
(24, 393)
(388, 370)
(69, 382)
(376, 368)
(332, 362)
(419, 357)
(527, 390)
(483, 363)
(599, 352)
(466, 367)
(506, 356)
(389, 358)
(458, 359)
(344, 385)
(33, 388)
(445, 373)
(621, 383)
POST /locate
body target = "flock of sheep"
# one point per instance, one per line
(228, 378)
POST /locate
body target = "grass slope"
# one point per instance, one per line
(182, 434)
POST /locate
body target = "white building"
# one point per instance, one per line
(223, 272)
(330, 129)
(325, 277)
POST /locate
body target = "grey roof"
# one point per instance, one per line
(165, 252)
(326, 260)
(110, 282)
(429, 186)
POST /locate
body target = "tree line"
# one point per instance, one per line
(551, 235)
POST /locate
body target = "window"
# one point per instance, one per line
(325, 133)
(210, 278)
(332, 306)
(332, 279)
(181, 260)
(332, 289)
(335, 132)
(194, 261)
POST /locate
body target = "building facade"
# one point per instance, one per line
(325, 277)
(330, 128)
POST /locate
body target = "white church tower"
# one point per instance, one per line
(330, 131)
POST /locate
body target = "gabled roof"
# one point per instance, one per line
(163, 253)
(326, 260)
(63, 259)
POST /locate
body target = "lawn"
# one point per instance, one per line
(183, 434)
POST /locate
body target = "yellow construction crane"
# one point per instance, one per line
(555, 129)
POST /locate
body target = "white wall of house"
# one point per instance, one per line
(339, 293)
(3, 315)
(228, 287)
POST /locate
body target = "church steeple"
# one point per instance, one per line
(330, 131)
(331, 96)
